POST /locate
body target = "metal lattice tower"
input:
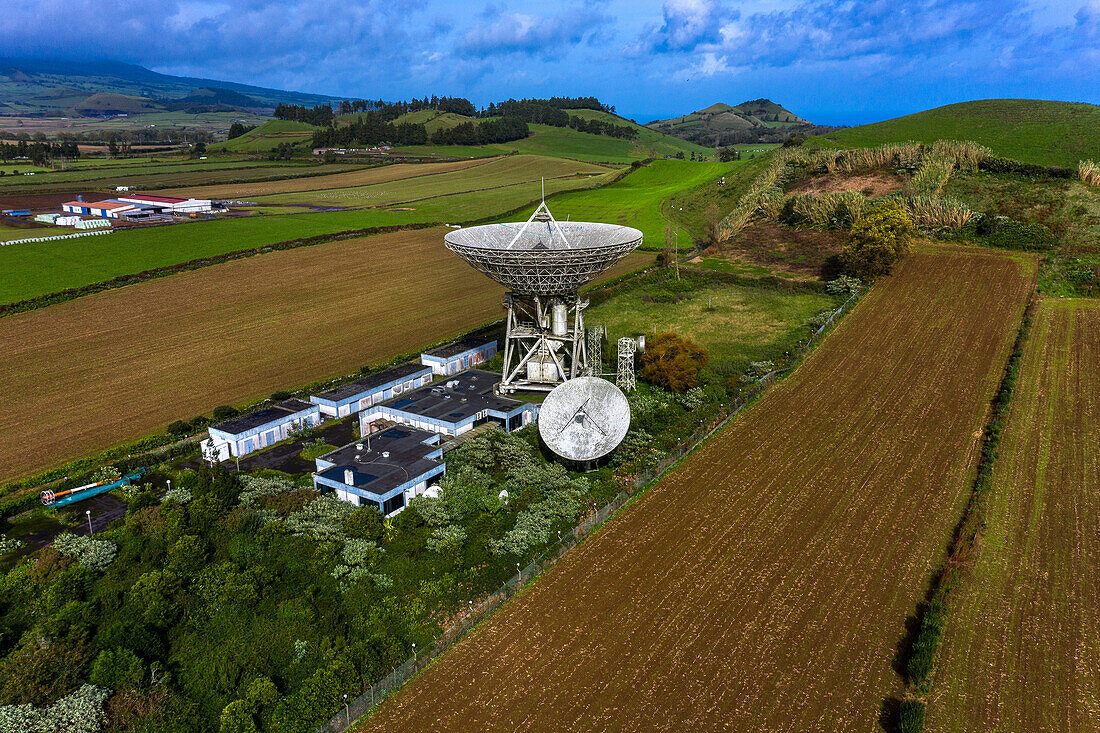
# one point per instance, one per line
(624, 376)
(595, 351)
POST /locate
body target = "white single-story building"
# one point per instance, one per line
(352, 397)
(385, 470)
(459, 356)
(451, 407)
(170, 204)
(244, 434)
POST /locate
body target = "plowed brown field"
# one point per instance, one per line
(364, 177)
(94, 372)
(764, 583)
(1022, 646)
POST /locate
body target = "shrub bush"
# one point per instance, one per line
(224, 412)
(879, 239)
(91, 553)
(911, 718)
(280, 395)
(179, 428)
(672, 362)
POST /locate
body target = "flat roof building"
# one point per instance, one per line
(170, 204)
(451, 407)
(352, 397)
(385, 470)
(459, 356)
(259, 429)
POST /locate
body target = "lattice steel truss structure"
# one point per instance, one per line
(624, 375)
(595, 351)
(543, 263)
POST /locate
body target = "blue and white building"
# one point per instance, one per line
(450, 407)
(259, 429)
(352, 397)
(459, 356)
(385, 470)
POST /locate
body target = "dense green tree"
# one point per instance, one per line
(878, 239)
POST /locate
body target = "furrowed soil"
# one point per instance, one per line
(1022, 646)
(364, 177)
(764, 583)
(111, 367)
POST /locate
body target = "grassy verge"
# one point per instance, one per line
(921, 658)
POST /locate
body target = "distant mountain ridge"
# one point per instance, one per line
(756, 120)
(33, 87)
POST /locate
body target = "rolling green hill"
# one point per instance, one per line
(1028, 130)
(758, 118)
(562, 142)
(267, 136)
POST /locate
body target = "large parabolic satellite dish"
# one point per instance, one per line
(543, 262)
(584, 419)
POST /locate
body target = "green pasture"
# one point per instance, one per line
(1028, 130)
(267, 136)
(11, 234)
(736, 324)
(639, 199)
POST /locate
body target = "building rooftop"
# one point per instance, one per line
(371, 382)
(155, 199)
(456, 398)
(459, 347)
(407, 458)
(284, 409)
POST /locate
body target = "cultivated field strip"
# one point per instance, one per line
(499, 172)
(110, 367)
(764, 583)
(362, 177)
(1021, 649)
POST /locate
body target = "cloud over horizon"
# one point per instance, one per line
(823, 58)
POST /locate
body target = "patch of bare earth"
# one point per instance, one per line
(872, 185)
(783, 249)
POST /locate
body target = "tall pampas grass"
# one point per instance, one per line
(1089, 172)
(930, 212)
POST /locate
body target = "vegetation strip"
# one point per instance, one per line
(934, 615)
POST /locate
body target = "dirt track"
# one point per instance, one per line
(765, 582)
(1022, 646)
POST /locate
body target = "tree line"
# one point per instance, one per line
(38, 153)
(500, 122)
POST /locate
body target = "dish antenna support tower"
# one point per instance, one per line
(543, 263)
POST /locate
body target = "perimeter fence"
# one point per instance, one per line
(477, 611)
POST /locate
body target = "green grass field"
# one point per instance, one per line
(1029, 130)
(638, 200)
(267, 136)
(10, 234)
(736, 324)
(568, 143)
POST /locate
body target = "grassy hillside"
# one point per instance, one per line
(267, 136)
(1029, 130)
(756, 114)
(639, 199)
(568, 143)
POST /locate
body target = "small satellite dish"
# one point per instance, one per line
(584, 419)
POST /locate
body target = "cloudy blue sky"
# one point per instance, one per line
(832, 62)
